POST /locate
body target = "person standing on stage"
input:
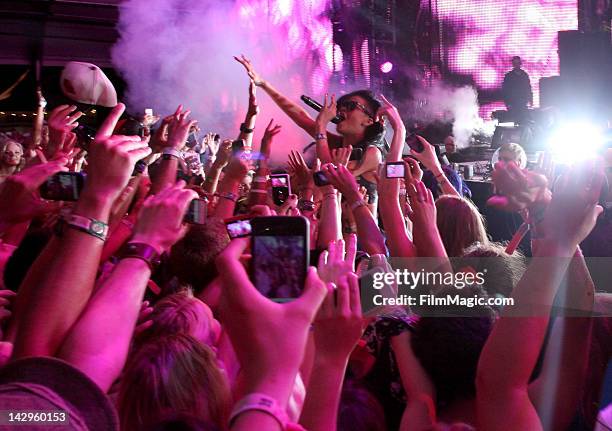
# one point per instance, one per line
(517, 91)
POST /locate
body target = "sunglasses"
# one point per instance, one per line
(351, 105)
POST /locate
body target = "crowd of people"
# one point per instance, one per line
(116, 314)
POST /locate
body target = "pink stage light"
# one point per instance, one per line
(386, 67)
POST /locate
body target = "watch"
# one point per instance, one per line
(170, 152)
(93, 227)
(142, 251)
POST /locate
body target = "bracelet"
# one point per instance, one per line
(263, 192)
(245, 129)
(142, 251)
(91, 226)
(227, 195)
(260, 179)
(441, 174)
(170, 152)
(262, 403)
(357, 204)
(306, 205)
(320, 137)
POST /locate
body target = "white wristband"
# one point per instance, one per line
(263, 403)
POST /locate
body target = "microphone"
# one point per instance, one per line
(317, 107)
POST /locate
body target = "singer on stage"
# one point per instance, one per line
(359, 126)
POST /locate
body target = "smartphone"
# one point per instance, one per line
(196, 213)
(395, 169)
(320, 179)
(239, 226)
(63, 186)
(238, 146)
(415, 143)
(85, 136)
(281, 189)
(356, 154)
(280, 256)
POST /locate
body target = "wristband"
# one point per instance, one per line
(143, 252)
(170, 152)
(245, 129)
(260, 179)
(263, 192)
(306, 205)
(262, 403)
(320, 137)
(91, 226)
(357, 204)
(229, 196)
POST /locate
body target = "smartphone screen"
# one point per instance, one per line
(395, 170)
(280, 253)
(238, 227)
(280, 188)
(63, 186)
(196, 213)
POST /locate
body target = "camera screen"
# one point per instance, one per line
(279, 181)
(279, 265)
(62, 187)
(395, 171)
(239, 228)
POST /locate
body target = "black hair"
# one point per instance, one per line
(374, 133)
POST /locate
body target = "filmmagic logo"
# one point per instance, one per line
(411, 279)
(442, 301)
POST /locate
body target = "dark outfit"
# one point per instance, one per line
(517, 93)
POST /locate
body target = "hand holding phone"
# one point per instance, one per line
(63, 186)
(320, 179)
(414, 143)
(281, 188)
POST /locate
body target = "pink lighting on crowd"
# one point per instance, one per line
(386, 67)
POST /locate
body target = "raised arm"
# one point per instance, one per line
(509, 356)
(369, 234)
(98, 343)
(420, 413)
(59, 283)
(430, 161)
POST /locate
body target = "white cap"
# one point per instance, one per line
(86, 83)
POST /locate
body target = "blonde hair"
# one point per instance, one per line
(517, 152)
(173, 374)
(460, 224)
(5, 142)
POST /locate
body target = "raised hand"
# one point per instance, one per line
(428, 157)
(160, 222)
(266, 142)
(62, 121)
(339, 322)
(422, 210)
(302, 176)
(159, 139)
(224, 153)
(336, 263)
(253, 75)
(269, 338)
(341, 156)
(342, 179)
(329, 110)
(112, 159)
(412, 172)
(574, 208)
(390, 112)
(179, 127)
(21, 190)
(518, 189)
(253, 107)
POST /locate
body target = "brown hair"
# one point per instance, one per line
(173, 374)
(174, 314)
(460, 224)
(192, 259)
